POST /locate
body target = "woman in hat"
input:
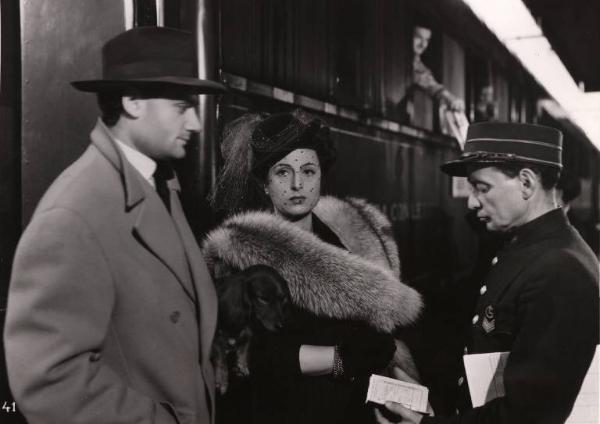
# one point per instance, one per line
(338, 258)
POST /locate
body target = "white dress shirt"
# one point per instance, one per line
(142, 163)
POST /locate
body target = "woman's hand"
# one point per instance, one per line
(394, 413)
(361, 353)
(399, 374)
(366, 352)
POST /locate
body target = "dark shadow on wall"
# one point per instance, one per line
(10, 171)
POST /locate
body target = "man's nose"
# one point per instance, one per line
(192, 122)
(472, 202)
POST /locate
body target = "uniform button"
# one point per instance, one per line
(495, 260)
(461, 380)
(483, 289)
(466, 350)
(475, 319)
(175, 316)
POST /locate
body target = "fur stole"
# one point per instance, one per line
(362, 228)
(326, 280)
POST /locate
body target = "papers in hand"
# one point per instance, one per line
(485, 374)
(383, 389)
(485, 377)
(587, 405)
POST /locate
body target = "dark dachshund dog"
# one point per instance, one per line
(256, 298)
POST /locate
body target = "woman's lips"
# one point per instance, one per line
(297, 200)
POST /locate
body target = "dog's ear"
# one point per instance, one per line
(234, 304)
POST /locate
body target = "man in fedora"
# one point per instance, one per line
(539, 300)
(111, 310)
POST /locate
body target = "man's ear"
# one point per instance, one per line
(530, 182)
(133, 106)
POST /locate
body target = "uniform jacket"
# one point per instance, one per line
(107, 320)
(540, 303)
(337, 289)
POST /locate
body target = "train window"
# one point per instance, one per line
(145, 12)
(175, 11)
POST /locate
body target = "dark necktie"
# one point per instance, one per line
(163, 173)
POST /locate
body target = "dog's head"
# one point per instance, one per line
(269, 298)
(257, 297)
(254, 300)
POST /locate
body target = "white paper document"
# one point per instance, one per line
(587, 406)
(485, 377)
(383, 389)
(485, 373)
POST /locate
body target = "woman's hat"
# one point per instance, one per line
(254, 142)
(501, 142)
(279, 134)
(150, 57)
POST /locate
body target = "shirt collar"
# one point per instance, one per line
(142, 163)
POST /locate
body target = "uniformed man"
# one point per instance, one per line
(540, 299)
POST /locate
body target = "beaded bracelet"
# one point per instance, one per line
(338, 365)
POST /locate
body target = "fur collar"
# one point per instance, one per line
(322, 278)
(362, 228)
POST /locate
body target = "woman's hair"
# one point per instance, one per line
(252, 144)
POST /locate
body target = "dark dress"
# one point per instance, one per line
(281, 394)
(539, 301)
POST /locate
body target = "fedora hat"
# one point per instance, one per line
(150, 57)
(501, 142)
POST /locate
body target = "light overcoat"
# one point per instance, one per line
(111, 309)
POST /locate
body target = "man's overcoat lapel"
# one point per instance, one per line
(152, 227)
(203, 283)
(205, 291)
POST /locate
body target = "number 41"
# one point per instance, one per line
(9, 407)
